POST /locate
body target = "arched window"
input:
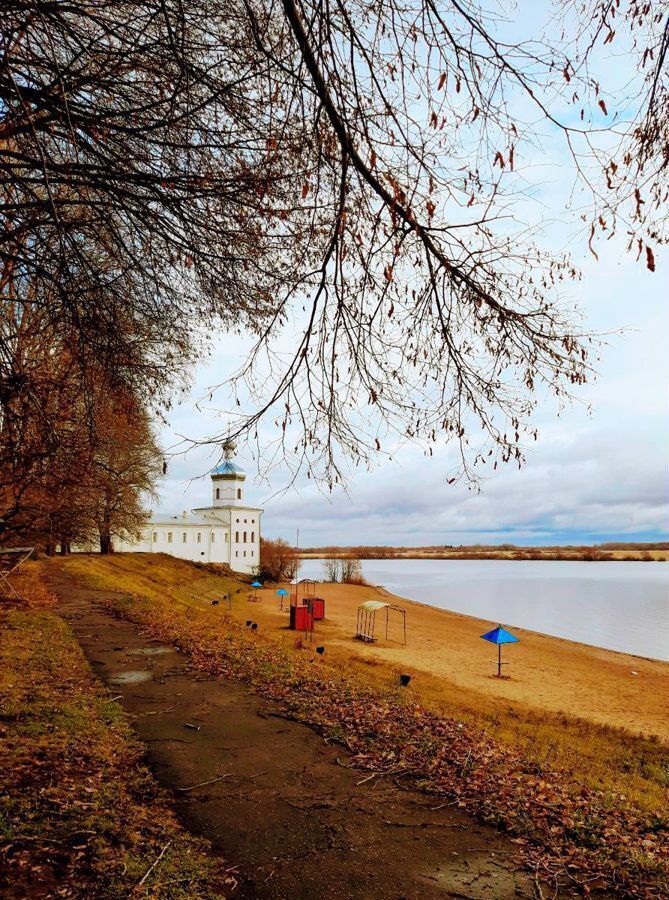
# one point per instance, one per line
(253, 537)
(155, 535)
(218, 493)
(169, 537)
(184, 537)
(244, 537)
(236, 537)
(239, 493)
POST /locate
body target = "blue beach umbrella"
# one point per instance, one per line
(256, 584)
(282, 593)
(500, 636)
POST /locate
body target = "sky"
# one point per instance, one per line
(598, 471)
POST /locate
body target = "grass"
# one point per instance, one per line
(80, 813)
(605, 774)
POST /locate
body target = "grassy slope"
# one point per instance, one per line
(79, 811)
(622, 767)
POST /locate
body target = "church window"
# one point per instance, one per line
(244, 537)
(155, 536)
(253, 536)
(236, 552)
(212, 537)
(199, 537)
(245, 553)
(253, 553)
(245, 521)
(218, 493)
(184, 537)
(169, 537)
(239, 493)
(236, 537)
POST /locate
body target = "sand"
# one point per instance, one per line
(444, 653)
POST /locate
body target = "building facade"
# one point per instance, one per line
(227, 532)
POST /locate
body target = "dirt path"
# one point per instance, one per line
(296, 822)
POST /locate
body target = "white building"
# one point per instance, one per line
(227, 532)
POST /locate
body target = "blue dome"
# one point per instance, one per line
(228, 469)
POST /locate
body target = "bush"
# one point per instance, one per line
(278, 560)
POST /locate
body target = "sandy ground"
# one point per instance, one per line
(444, 651)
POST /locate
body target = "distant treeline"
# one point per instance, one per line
(607, 551)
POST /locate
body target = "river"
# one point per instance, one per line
(617, 605)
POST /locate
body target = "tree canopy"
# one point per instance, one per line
(173, 167)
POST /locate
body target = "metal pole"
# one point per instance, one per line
(499, 660)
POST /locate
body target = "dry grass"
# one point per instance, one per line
(80, 814)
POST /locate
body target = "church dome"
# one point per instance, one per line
(228, 469)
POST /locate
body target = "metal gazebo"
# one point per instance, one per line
(366, 621)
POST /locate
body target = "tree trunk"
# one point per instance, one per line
(105, 532)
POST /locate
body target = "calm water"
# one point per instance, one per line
(618, 605)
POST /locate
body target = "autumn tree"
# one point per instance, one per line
(278, 560)
(351, 571)
(332, 568)
(173, 167)
(126, 468)
(78, 456)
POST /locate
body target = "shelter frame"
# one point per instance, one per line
(366, 619)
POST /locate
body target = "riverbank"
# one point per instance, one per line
(576, 793)
(566, 704)
(445, 652)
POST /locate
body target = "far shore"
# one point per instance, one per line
(614, 552)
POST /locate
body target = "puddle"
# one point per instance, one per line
(132, 677)
(149, 651)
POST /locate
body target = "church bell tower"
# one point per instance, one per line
(228, 480)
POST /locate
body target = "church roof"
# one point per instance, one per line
(228, 469)
(176, 521)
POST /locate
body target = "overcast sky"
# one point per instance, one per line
(591, 476)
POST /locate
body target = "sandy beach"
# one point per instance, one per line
(445, 655)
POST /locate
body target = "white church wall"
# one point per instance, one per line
(245, 539)
(227, 532)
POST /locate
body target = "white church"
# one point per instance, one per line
(227, 532)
